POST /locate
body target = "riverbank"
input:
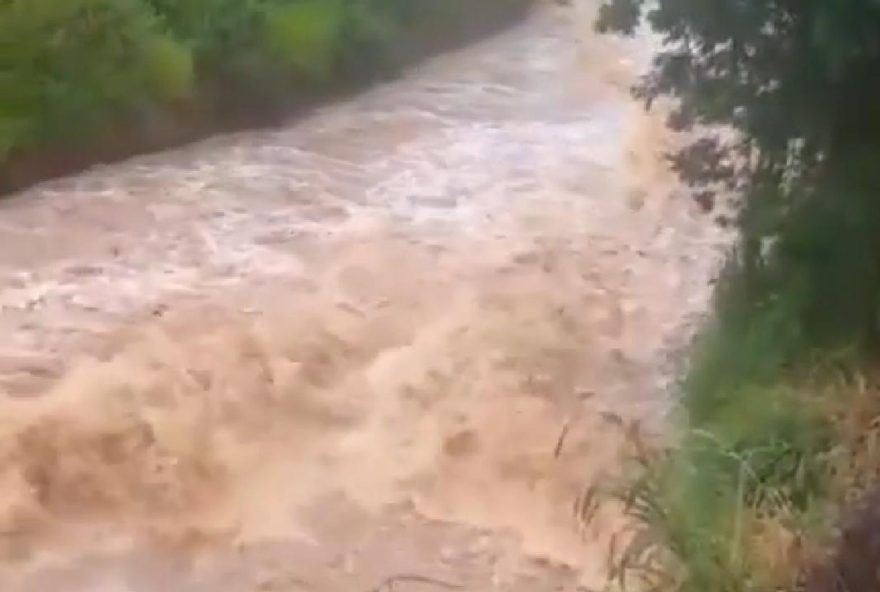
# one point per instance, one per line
(185, 97)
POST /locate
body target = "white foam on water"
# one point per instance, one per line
(400, 300)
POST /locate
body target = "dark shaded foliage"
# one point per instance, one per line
(790, 90)
(779, 71)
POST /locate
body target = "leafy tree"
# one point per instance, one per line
(798, 84)
(797, 78)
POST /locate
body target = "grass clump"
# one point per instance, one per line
(776, 438)
(750, 499)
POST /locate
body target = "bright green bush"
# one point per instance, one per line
(227, 38)
(268, 46)
(170, 70)
(67, 67)
(306, 35)
(325, 38)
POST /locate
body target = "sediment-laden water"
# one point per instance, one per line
(342, 353)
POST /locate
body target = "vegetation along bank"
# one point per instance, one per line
(87, 81)
(771, 481)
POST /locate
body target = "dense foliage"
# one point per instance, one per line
(799, 83)
(64, 66)
(780, 412)
(797, 79)
(73, 70)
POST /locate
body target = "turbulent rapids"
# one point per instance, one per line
(341, 354)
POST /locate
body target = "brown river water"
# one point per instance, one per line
(339, 355)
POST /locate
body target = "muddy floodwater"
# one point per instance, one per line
(339, 355)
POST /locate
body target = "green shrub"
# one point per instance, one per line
(225, 36)
(263, 48)
(307, 35)
(370, 31)
(322, 39)
(69, 66)
(726, 508)
(170, 71)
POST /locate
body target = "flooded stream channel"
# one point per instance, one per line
(339, 355)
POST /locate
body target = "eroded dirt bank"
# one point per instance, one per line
(343, 352)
